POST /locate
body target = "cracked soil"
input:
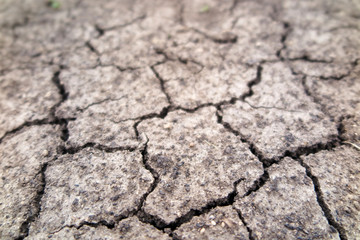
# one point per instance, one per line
(206, 119)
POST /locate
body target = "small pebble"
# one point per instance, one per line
(45, 153)
(202, 231)
(211, 217)
(229, 222)
(223, 224)
(167, 126)
(191, 144)
(199, 224)
(48, 94)
(213, 222)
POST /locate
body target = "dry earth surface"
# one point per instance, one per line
(234, 119)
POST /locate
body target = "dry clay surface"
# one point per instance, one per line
(203, 119)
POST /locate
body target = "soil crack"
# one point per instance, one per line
(245, 224)
(284, 36)
(162, 84)
(52, 119)
(252, 83)
(225, 38)
(100, 102)
(101, 30)
(320, 199)
(161, 225)
(73, 150)
(306, 58)
(25, 226)
(109, 225)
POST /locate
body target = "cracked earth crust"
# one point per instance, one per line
(179, 120)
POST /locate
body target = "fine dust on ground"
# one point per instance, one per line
(160, 119)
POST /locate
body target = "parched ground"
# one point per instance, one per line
(234, 119)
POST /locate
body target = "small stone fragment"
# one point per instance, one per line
(229, 222)
(45, 153)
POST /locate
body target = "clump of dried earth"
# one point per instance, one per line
(180, 119)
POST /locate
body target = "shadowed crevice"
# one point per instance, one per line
(203, 105)
(307, 91)
(25, 124)
(342, 76)
(306, 58)
(52, 119)
(321, 201)
(284, 36)
(252, 83)
(109, 225)
(101, 30)
(245, 224)
(158, 223)
(164, 112)
(225, 38)
(73, 150)
(259, 183)
(61, 89)
(333, 142)
(100, 102)
(266, 162)
(46, 121)
(92, 48)
(64, 96)
(162, 84)
(321, 77)
(25, 226)
(154, 173)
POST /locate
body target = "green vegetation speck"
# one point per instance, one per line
(54, 4)
(205, 8)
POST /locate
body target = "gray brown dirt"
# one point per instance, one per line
(341, 191)
(203, 119)
(287, 193)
